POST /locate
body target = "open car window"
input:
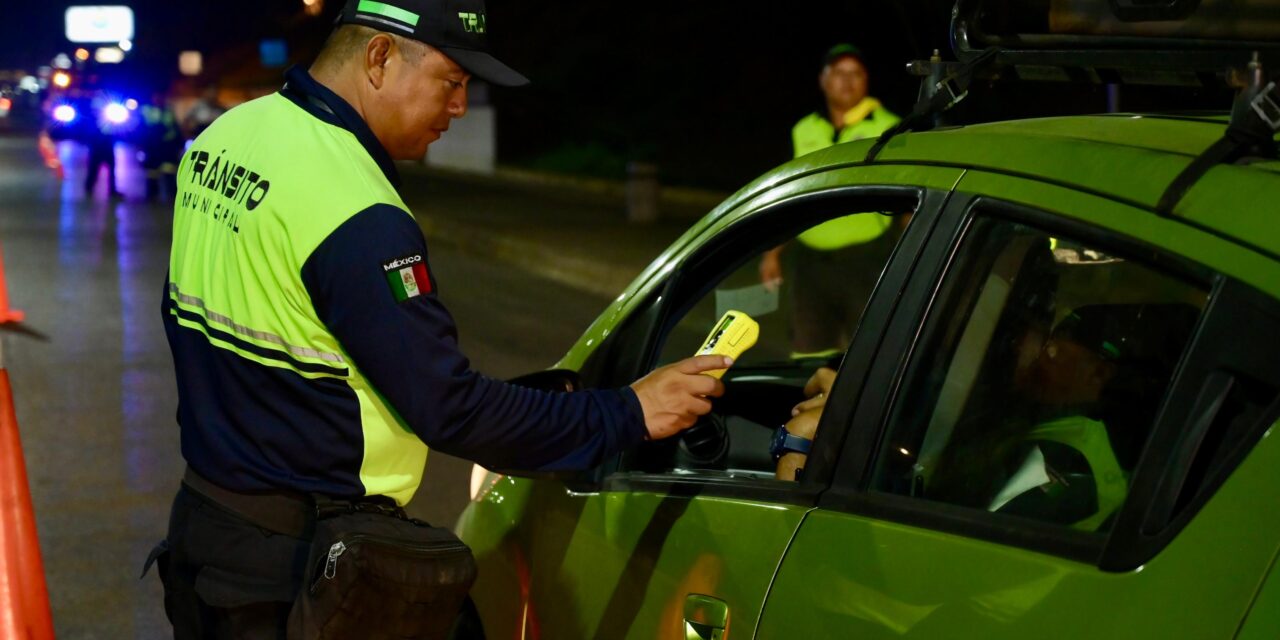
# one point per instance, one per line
(811, 312)
(1037, 382)
(808, 306)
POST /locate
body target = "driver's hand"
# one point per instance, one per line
(816, 390)
(675, 396)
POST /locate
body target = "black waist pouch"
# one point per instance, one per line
(375, 574)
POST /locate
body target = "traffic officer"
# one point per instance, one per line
(312, 352)
(838, 262)
(849, 113)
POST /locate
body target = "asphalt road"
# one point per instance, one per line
(96, 401)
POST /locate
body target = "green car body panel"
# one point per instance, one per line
(606, 565)
(618, 564)
(895, 581)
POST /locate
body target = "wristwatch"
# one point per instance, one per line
(785, 442)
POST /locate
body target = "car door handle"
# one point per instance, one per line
(705, 617)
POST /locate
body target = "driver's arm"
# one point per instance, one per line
(804, 425)
(804, 420)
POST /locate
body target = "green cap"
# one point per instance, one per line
(841, 50)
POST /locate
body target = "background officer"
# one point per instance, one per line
(312, 352)
(838, 262)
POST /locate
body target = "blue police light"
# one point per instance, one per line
(64, 113)
(116, 113)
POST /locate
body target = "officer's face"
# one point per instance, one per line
(844, 82)
(420, 98)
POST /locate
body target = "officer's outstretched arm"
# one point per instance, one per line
(399, 334)
(674, 396)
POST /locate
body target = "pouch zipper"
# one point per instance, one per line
(340, 547)
(331, 565)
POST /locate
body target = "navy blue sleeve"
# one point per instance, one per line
(371, 284)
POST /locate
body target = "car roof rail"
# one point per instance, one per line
(1166, 42)
(1115, 43)
(1255, 120)
(944, 93)
(1133, 57)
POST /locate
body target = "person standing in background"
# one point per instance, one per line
(838, 262)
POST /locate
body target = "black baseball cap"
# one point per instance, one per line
(455, 27)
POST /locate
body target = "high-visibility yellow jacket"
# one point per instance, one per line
(813, 132)
(312, 352)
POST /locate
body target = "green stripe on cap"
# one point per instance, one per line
(388, 11)
(1111, 349)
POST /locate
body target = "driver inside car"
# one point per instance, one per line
(1060, 445)
(1057, 446)
(1066, 469)
(1066, 457)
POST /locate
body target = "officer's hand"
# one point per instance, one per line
(674, 396)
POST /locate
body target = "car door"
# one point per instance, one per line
(683, 536)
(1069, 440)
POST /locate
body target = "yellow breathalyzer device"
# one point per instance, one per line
(734, 334)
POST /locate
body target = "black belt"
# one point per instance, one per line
(291, 514)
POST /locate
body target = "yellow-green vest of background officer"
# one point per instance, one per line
(844, 86)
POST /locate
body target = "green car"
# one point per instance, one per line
(1051, 417)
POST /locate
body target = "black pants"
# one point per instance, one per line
(225, 577)
(831, 288)
(101, 152)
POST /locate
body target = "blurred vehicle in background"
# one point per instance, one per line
(80, 114)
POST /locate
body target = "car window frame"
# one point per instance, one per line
(1234, 312)
(667, 304)
(849, 491)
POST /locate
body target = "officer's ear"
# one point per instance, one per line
(376, 54)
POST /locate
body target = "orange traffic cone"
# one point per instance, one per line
(49, 153)
(24, 596)
(7, 315)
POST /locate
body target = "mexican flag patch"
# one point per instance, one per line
(407, 277)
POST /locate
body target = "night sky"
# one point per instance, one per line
(707, 90)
